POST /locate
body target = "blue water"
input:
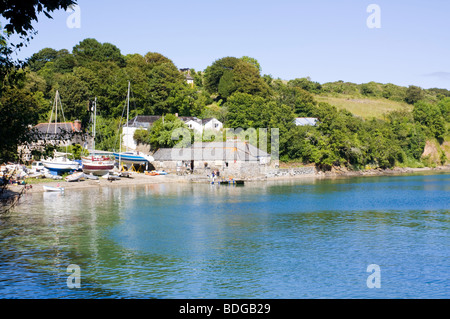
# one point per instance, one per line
(299, 239)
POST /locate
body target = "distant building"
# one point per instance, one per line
(302, 121)
(187, 75)
(57, 134)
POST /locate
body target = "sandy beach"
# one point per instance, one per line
(142, 179)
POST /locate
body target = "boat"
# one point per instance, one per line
(75, 177)
(59, 164)
(96, 163)
(91, 177)
(131, 157)
(111, 177)
(53, 189)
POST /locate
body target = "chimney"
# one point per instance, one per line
(77, 126)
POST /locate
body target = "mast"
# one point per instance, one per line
(95, 122)
(128, 110)
(56, 109)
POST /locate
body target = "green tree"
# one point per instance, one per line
(414, 94)
(252, 61)
(90, 50)
(430, 116)
(19, 110)
(162, 132)
(444, 106)
(74, 97)
(38, 60)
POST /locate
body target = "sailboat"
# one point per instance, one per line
(132, 157)
(59, 163)
(96, 163)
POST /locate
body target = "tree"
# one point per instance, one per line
(39, 59)
(162, 132)
(306, 84)
(21, 14)
(74, 97)
(229, 75)
(430, 116)
(19, 110)
(444, 106)
(413, 94)
(90, 50)
(252, 61)
(214, 73)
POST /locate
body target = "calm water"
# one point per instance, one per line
(302, 239)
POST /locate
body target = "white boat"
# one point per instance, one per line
(60, 165)
(75, 177)
(53, 189)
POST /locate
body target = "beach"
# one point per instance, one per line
(142, 179)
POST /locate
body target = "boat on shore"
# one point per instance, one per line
(131, 157)
(53, 189)
(60, 164)
(155, 173)
(98, 163)
(75, 177)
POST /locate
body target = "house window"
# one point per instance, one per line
(216, 125)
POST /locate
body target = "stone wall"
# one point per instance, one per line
(290, 172)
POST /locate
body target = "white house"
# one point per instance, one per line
(199, 126)
(146, 122)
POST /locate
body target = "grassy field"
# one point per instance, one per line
(364, 107)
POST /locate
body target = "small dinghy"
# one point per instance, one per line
(53, 189)
(76, 177)
(92, 177)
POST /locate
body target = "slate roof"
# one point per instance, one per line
(301, 121)
(47, 130)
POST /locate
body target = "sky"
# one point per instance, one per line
(326, 40)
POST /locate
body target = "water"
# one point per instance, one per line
(299, 239)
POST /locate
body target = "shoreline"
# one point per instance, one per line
(137, 179)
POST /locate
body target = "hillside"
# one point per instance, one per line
(364, 107)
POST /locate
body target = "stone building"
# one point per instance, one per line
(231, 158)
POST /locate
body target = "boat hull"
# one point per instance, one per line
(131, 159)
(98, 170)
(61, 167)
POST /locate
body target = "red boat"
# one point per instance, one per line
(97, 165)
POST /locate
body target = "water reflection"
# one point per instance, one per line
(297, 239)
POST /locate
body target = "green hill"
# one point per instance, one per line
(364, 107)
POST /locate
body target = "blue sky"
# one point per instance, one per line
(327, 40)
